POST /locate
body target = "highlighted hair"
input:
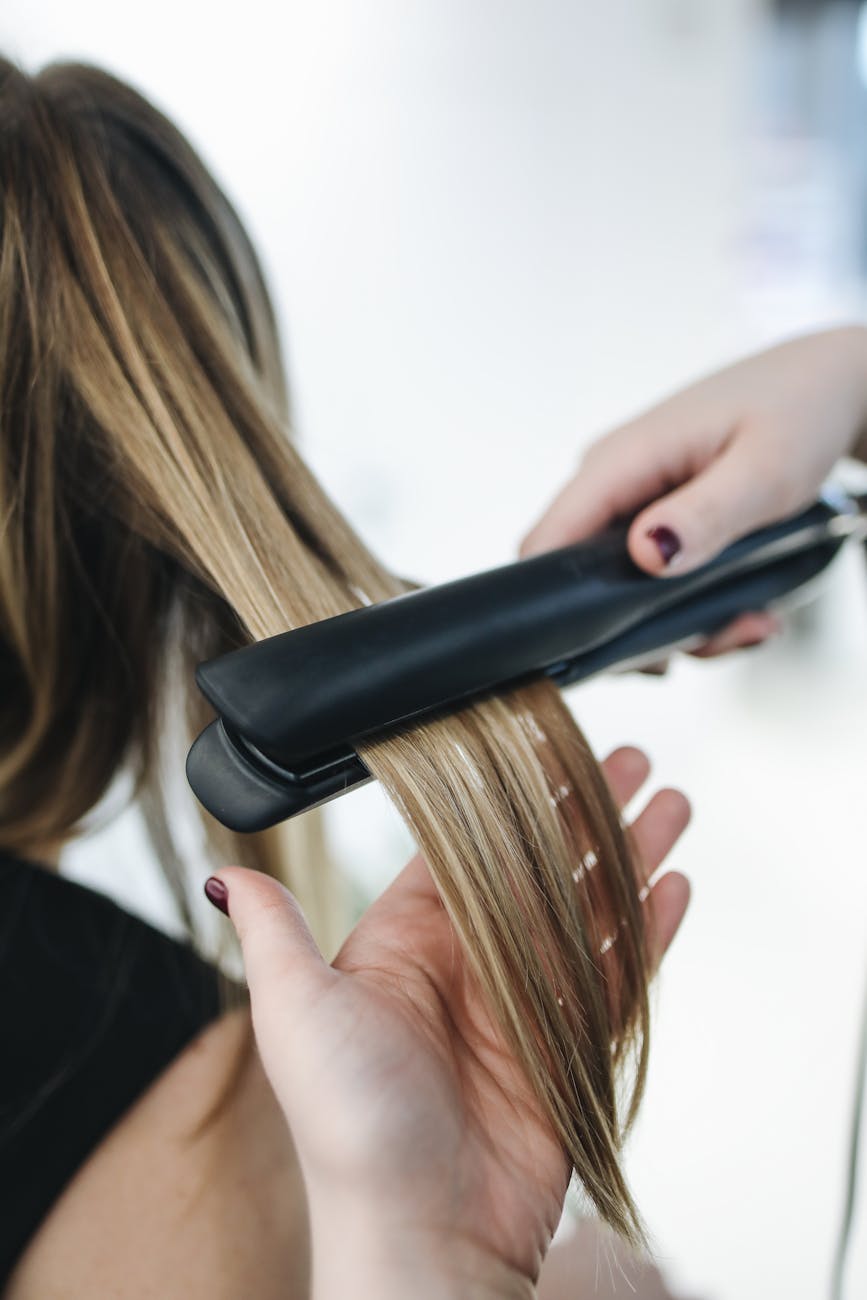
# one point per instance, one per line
(155, 513)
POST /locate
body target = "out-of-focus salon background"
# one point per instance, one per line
(494, 230)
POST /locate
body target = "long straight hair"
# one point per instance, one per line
(155, 512)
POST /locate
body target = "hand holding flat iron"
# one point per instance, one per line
(745, 447)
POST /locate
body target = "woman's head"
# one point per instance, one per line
(155, 513)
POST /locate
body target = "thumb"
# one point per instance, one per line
(282, 962)
(729, 498)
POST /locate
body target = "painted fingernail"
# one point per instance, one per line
(218, 894)
(666, 540)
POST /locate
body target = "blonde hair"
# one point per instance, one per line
(155, 513)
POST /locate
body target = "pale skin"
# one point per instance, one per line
(744, 447)
(418, 1154)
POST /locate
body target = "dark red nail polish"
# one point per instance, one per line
(667, 542)
(217, 893)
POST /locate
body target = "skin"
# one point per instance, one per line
(744, 447)
(154, 1213)
(429, 1170)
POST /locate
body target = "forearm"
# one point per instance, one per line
(356, 1254)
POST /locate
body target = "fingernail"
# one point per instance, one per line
(666, 540)
(218, 894)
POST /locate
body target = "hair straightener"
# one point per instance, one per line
(293, 708)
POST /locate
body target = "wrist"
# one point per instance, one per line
(358, 1251)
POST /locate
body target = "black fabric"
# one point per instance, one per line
(94, 1004)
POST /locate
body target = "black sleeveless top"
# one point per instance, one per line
(94, 1004)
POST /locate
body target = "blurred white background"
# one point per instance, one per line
(493, 230)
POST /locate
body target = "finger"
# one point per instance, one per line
(657, 829)
(654, 833)
(597, 494)
(665, 908)
(578, 511)
(747, 630)
(625, 770)
(280, 953)
(734, 494)
(619, 473)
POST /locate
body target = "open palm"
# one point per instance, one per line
(393, 1077)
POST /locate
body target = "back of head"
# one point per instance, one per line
(156, 513)
(143, 408)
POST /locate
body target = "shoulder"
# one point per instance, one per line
(197, 1183)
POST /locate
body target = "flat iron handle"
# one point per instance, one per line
(700, 615)
(323, 687)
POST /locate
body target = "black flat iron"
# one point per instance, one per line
(292, 709)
